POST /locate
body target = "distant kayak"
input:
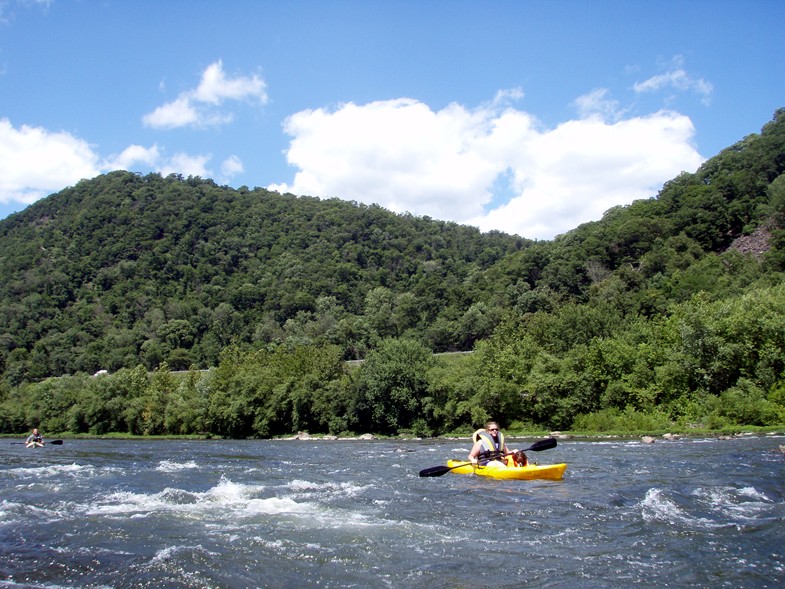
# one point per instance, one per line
(40, 444)
(496, 470)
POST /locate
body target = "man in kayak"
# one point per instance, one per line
(34, 439)
(489, 445)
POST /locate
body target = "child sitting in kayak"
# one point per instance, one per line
(489, 446)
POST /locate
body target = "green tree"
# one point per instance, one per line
(391, 383)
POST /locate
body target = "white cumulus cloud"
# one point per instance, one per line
(187, 165)
(178, 113)
(397, 153)
(232, 166)
(35, 162)
(573, 173)
(134, 155)
(201, 107)
(598, 103)
(676, 78)
(494, 167)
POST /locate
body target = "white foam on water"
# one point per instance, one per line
(132, 504)
(171, 552)
(736, 505)
(52, 471)
(226, 497)
(10, 584)
(164, 554)
(11, 512)
(277, 506)
(657, 506)
(753, 493)
(267, 543)
(170, 466)
(8, 511)
(605, 443)
(92, 551)
(308, 488)
(177, 562)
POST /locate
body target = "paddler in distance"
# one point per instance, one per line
(34, 439)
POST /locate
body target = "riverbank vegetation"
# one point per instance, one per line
(693, 371)
(171, 306)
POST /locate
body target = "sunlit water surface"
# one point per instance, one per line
(275, 514)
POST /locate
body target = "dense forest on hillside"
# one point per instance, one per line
(665, 311)
(124, 270)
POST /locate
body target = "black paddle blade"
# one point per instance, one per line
(435, 471)
(56, 442)
(546, 444)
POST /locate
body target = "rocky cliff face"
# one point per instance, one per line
(756, 243)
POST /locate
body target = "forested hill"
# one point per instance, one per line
(123, 269)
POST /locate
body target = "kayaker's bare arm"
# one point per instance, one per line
(475, 452)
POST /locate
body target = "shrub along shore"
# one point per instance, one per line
(724, 433)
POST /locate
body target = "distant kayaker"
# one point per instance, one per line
(489, 445)
(34, 439)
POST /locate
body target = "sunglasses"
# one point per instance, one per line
(494, 429)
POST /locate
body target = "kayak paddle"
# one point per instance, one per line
(437, 471)
(53, 443)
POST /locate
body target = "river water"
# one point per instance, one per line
(274, 514)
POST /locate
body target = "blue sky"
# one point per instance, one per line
(521, 116)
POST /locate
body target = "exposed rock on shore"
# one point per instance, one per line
(307, 436)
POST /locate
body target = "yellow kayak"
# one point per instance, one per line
(497, 470)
